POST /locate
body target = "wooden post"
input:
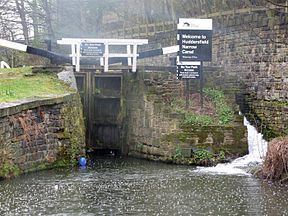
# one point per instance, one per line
(78, 57)
(73, 54)
(106, 57)
(129, 53)
(102, 61)
(134, 66)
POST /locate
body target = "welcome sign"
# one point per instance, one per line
(195, 39)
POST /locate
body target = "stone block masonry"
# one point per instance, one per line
(250, 46)
(253, 49)
(38, 133)
(152, 129)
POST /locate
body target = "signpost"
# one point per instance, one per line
(95, 47)
(189, 70)
(195, 46)
(92, 49)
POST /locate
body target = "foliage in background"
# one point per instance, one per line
(36, 21)
(46, 19)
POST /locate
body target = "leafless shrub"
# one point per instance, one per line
(275, 166)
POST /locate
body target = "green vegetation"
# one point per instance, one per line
(7, 167)
(20, 83)
(221, 156)
(203, 154)
(216, 109)
(207, 158)
(74, 130)
(8, 170)
(223, 110)
(197, 119)
(178, 153)
(139, 146)
(200, 157)
(178, 105)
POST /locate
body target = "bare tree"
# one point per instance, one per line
(47, 5)
(20, 7)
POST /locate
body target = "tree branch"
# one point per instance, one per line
(277, 4)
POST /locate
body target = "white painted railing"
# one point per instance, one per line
(131, 56)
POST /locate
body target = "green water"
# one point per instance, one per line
(117, 186)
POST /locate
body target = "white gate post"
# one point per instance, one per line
(3, 64)
(106, 57)
(134, 66)
(129, 53)
(73, 54)
(78, 57)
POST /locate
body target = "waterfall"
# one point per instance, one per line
(257, 148)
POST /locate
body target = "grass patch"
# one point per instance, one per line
(20, 83)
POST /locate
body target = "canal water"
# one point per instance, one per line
(116, 186)
(121, 186)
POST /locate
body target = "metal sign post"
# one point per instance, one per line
(195, 46)
(201, 87)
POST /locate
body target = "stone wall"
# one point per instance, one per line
(153, 130)
(38, 133)
(251, 48)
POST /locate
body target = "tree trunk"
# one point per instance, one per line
(48, 18)
(20, 6)
(35, 20)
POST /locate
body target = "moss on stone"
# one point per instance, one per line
(268, 116)
(74, 130)
(8, 169)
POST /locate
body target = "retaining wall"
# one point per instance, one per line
(251, 48)
(152, 129)
(38, 133)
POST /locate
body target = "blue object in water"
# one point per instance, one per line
(82, 161)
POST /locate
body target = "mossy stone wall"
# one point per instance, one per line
(37, 134)
(152, 130)
(250, 46)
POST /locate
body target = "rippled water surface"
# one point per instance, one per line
(136, 187)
